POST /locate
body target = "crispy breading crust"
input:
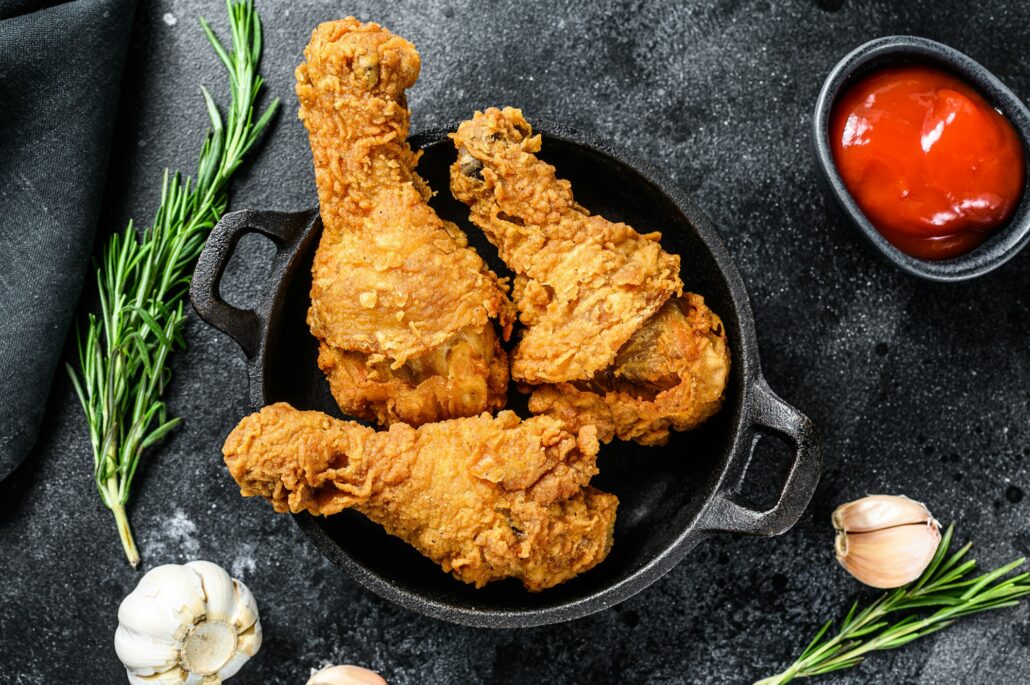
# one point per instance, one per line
(486, 498)
(464, 377)
(584, 284)
(609, 341)
(391, 282)
(671, 375)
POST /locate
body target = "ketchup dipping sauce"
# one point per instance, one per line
(933, 166)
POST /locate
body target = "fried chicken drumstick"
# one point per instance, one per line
(610, 340)
(403, 309)
(487, 497)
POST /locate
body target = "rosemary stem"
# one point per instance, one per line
(814, 657)
(121, 521)
(779, 678)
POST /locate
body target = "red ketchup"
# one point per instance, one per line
(933, 166)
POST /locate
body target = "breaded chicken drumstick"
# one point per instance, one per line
(486, 498)
(609, 338)
(403, 309)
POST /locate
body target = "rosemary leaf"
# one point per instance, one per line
(944, 587)
(143, 279)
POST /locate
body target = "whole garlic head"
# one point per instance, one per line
(346, 675)
(885, 541)
(190, 624)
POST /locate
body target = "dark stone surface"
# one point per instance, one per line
(918, 388)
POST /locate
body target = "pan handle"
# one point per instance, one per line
(769, 413)
(245, 326)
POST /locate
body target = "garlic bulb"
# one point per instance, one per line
(885, 541)
(346, 675)
(190, 624)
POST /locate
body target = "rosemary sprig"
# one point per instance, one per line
(143, 279)
(944, 588)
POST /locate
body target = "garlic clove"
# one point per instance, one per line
(346, 675)
(233, 666)
(143, 653)
(879, 511)
(250, 640)
(179, 589)
(219, 591)
(247, 646)
(166, 602)
(244, 612)
(889, 557)
(175, 676)
(141, 614)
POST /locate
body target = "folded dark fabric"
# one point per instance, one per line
(60, 71)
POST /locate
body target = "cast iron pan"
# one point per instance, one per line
(670, 498)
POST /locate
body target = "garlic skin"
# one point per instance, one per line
(879, 511)
(346, 675)
(190, 625)
(885, 541)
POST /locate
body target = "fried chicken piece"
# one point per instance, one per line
(609, 340)
(403, 309)
(486, 498)
(450, 380)
(670, 375)
(583, 284)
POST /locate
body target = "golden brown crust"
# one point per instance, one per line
(584, 285)
(463, 377)
(390, 281)
(486, 497)
(671, 375)
(609, 340)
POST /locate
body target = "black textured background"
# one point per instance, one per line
(917, 388)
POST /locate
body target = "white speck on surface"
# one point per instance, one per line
(244, 563)
(176, 538)
(169, 19)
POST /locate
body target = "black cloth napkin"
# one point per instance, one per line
(60, 72)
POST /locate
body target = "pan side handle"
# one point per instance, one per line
(770, 414)
(245, 326)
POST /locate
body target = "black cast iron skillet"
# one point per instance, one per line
(670, 498)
